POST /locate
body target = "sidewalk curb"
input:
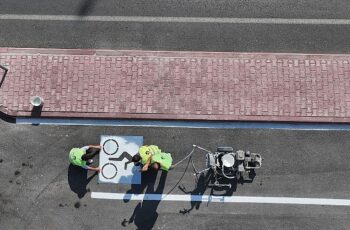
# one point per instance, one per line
(175, 54)
(184, 117)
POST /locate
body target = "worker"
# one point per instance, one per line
(146, 151)
(153, 156)
(83, 156)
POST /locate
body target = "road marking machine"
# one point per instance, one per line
(225, 163)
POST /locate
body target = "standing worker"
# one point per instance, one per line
(83, 156)
(153, 156)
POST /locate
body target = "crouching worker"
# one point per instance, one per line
(152, 156)
(83, 156)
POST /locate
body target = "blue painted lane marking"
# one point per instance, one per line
(185, 124)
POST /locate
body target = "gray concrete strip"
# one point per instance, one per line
(288, 21)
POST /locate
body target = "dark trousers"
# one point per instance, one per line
(90, 153)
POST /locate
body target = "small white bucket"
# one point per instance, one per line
(36, 101)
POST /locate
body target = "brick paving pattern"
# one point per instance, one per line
(177, 85)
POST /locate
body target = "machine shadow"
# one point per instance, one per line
(201, 186)
(203, 183)
(86, 7)
(228, 191)
(78, 180)
(145, 213)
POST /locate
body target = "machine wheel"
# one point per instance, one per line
(225, 149)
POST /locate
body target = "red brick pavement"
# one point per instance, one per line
(177, 85)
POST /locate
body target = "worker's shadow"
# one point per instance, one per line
(78, 180)
(145, 213)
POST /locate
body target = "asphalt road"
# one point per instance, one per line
(272, 37)
(38, 189)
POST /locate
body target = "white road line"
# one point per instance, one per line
(292, 21)
(221, 199)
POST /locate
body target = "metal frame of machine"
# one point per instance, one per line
(225, 163)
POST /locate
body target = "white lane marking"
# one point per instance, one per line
(221, 199)
(315, 21)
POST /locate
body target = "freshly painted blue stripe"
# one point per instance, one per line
(185, 124)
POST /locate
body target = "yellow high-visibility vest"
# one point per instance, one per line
(75, 157)
(146, 151)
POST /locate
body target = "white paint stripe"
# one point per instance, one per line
(291, 21)
(221, 199)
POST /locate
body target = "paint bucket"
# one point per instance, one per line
(228, 160)
(36, 101)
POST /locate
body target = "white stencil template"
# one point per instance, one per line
(116, 151)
